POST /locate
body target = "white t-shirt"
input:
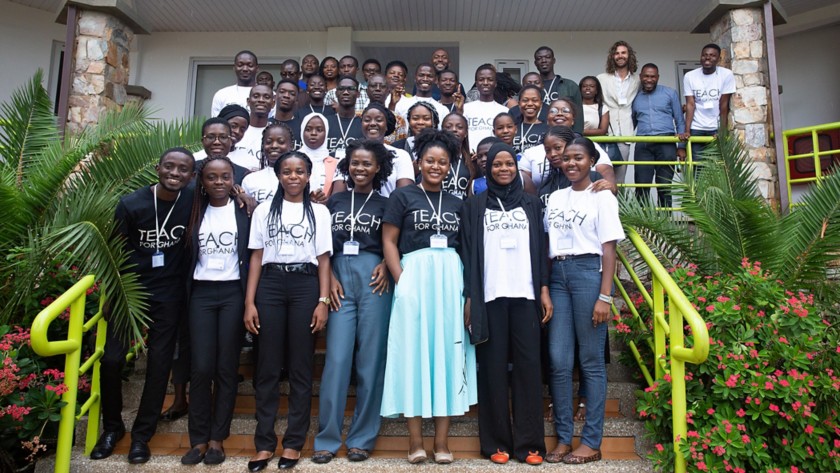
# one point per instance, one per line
(507, 252)
(246, 153)
(218, 238)
(480, 117)
(591, 119)
(291, 240)
(579, 222)
(229, 95)
(406, 102)
(261, 185)
(403, 169)
(534, 162)
(707, 90)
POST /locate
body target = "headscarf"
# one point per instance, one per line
(511, 195)
(234, 110)
(316, 155)
(390, 119)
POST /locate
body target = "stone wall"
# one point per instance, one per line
(740, 33)
(100, 71)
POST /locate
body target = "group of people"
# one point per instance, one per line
(437, 237)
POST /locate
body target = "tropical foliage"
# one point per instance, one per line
(58, 196)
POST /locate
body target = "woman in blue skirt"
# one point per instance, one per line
(361, 304)
(430, 367)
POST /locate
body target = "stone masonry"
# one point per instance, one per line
(740, 33)
(100, 68)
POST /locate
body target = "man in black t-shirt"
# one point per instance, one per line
(152, 221)
(556, 87)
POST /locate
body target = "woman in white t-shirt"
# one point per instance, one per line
(276, 141)
(596, 118)
(583, 228)
(286, 303)
(217, 234)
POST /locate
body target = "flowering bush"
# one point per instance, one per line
(767, 398)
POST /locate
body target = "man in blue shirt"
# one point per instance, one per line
(657, 111)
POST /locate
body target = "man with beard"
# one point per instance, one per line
(246, 67)
(344, 127)
(619, 85)
(349, 66)
(424, 80)
(480, 113)
(555, 86)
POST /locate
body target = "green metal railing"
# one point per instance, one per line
(816, 154)
(668, 343)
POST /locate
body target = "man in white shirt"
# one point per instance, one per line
(246, 152)
(707, 91)
(619, 85)
(480, 113)
(246, 67)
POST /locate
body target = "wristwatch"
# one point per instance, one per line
(605, 298)
(325, 300)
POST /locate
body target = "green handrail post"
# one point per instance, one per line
(95, 382)
(71, 348)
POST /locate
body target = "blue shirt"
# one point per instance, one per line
(656, 113)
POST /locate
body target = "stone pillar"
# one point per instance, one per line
(100, 71)
(740, 33)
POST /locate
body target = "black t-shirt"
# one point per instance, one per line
(516, 112)
(337, 139)
(325, 110)
(135, 217)
(409, 209)
(528, 136)
(367, 230)
(457, 180)
(294, 124)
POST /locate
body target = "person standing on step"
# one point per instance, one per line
(261, 103)
(555, 86)
(583, 229)
(246, 67)
(481, 113)
(707, 91)
(217, 236)
(506, 286)
(450, 97)
(316, 89)
(152, 222)
(286, 304)
(286, 97)
(345, 126)
(430, 364)
(361, 302)
(620, 85)
(329, 71)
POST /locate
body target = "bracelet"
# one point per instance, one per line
(605, 298)
(581, 405)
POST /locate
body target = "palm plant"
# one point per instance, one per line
(58, 195)
(728, 220)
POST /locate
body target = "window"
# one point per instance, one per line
(682, 68)
(54, 78)
(516, 68)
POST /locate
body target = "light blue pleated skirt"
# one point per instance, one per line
(430, 365)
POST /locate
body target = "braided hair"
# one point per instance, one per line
(430, 108)
(275, 212)
(281, 125)
(200, 198)
(552, 177)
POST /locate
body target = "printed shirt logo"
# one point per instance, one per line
(427, 220)
(223, 243)
(513, 220)
(365, 223)
(168, 238)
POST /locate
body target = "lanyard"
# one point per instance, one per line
(524, 133)
(504, 212)
(548, 91)
(354, 217)
(440, 206)
(344, 133)
(157, 219)
(454, 176)
(323, 107)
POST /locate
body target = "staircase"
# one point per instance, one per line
(623, 448)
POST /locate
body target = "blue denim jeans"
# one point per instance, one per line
(575, 285)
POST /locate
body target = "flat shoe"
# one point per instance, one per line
(500, 457)
(287, 463)
(357, 455)
(322, 456)
(552, 457)
(417, 457)
(259, 465)
(192, 457)
(578, 460)
(444, 458)
(214, 456)
(171, 415)
(534, 458)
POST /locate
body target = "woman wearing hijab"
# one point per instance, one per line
(506, 303)
(314, 130)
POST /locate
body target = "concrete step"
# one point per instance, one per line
(379, 462)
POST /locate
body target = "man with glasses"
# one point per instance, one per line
(345, 126)
(349, 66)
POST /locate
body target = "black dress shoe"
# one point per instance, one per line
(106, 444)
(214, 456)
(139, 452)
(171, 414)
(258, 465)
(193, 457)
(287, 463)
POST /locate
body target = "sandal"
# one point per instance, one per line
(534, 458)
(357, 455)
(500, 457)
(578, 460)
(557, 457)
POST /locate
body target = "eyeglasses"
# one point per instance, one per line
(563, 110)
(214, 138)
(346, 88)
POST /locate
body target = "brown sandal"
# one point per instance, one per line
(557, 457)
(577, 460)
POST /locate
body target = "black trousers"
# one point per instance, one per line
(181, 363)
(285, 303)
(216, 331)
(514, 335)
(165, 317)
(664, 172)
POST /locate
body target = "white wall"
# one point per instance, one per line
(808, 71)
(26, 36)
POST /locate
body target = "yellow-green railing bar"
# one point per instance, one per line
(71, 349)
(816, 154)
